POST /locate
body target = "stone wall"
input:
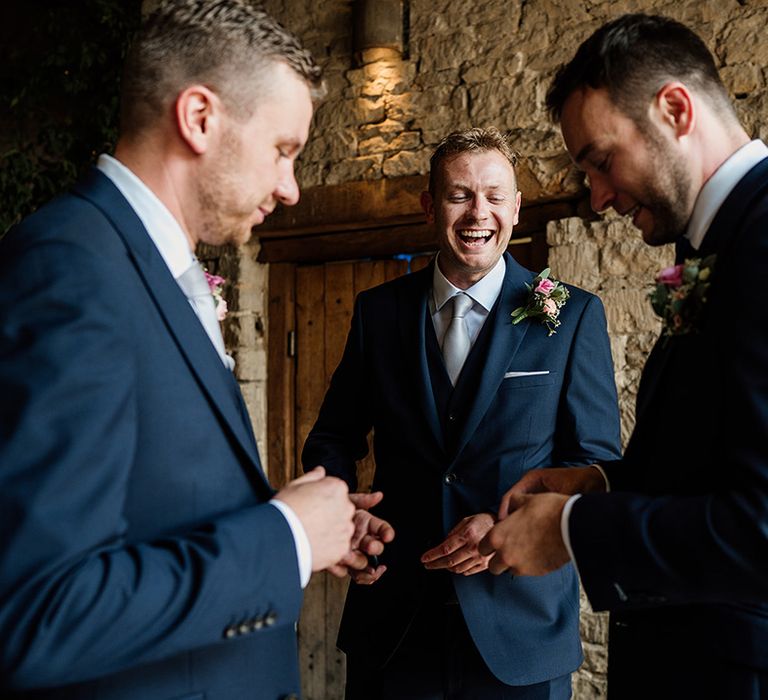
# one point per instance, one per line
(481, 64)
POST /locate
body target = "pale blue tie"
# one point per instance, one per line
(195, 287)
(456, 342)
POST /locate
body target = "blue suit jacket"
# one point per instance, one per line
(433, 473)
(139, 558)
(686, 531)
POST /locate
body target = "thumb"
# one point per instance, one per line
(366, 500)
(511, 502)
(317, 474)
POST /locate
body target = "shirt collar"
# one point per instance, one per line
(484, 292)
(719, 186)
(164, 230)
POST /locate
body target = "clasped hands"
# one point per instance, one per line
(527, 539)
(340, 529)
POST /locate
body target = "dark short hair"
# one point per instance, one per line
(469, 140)
(227, 45)
(633, 57)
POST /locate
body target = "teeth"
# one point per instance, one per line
(474, 233)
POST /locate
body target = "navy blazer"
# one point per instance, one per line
(139, 558)
(686, 529)
(435, 472)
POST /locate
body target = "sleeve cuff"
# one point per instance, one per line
(564, 532)
(300, 539)
(604, 475)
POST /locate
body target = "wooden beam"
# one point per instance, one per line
(336, 207)
(383, 240)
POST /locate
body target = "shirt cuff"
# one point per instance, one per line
(564, 532)
(300, 540)
(604, 475)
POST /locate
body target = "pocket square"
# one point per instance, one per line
(508, 375)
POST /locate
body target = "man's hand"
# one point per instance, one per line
(322, 505)
(527, 542)
(370, 536)
(458, 552)
(569, 480)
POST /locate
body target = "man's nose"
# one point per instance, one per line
(287, 190)
(479, 208)
(601, 194)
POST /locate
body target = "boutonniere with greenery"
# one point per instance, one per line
(680, 294)
(216, 285)
(546, 297)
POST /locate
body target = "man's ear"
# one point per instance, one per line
(198, 115)
(675, 107)
(428, 205)
(518, 202)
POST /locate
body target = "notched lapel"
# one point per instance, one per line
(216, 380)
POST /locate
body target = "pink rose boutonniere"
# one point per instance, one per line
(216, 285)
(547, 296)
(680, 294)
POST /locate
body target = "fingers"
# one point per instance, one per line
(315, 475)
(366, 501)
(368, 576)
(511, 502)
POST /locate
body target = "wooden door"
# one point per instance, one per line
(312, 307)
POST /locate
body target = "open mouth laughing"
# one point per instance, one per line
(475, 237)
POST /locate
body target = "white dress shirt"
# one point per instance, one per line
(174, 247)
(483, 294)
(708, 203)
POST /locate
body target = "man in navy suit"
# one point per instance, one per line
(144, 555)
(450, 437)
(678, 550)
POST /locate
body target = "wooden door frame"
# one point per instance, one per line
(354, 221)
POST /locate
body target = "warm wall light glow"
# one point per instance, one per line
(379, 24)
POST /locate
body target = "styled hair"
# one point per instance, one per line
(467, 141)
(633, 57)
(226, 45)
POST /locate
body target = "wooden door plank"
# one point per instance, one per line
(310, 385)
(281, 386)
(339, 301)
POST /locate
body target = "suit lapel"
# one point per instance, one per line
(722, 232)
(413, 304)
(216, 380)
(503, 342)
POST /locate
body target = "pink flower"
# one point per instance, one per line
(221, 309)
(549, 307)
(545, 286)
(671, 276)
(214, 281)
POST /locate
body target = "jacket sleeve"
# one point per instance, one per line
(339, 437)
(588, 418)
(77, 600)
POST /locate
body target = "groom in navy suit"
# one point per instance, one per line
(462, 402)
(678, 550)
(144, 555)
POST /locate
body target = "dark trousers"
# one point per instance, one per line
(437, 660)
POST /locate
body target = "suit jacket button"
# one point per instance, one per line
(270, 618)
(230, 632)
(451, 418)
(257, 623)
(449, 478)
(244, 628)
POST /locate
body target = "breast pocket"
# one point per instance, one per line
(512, 380)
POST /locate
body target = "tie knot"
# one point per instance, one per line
(461, 305)
(193, 282)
